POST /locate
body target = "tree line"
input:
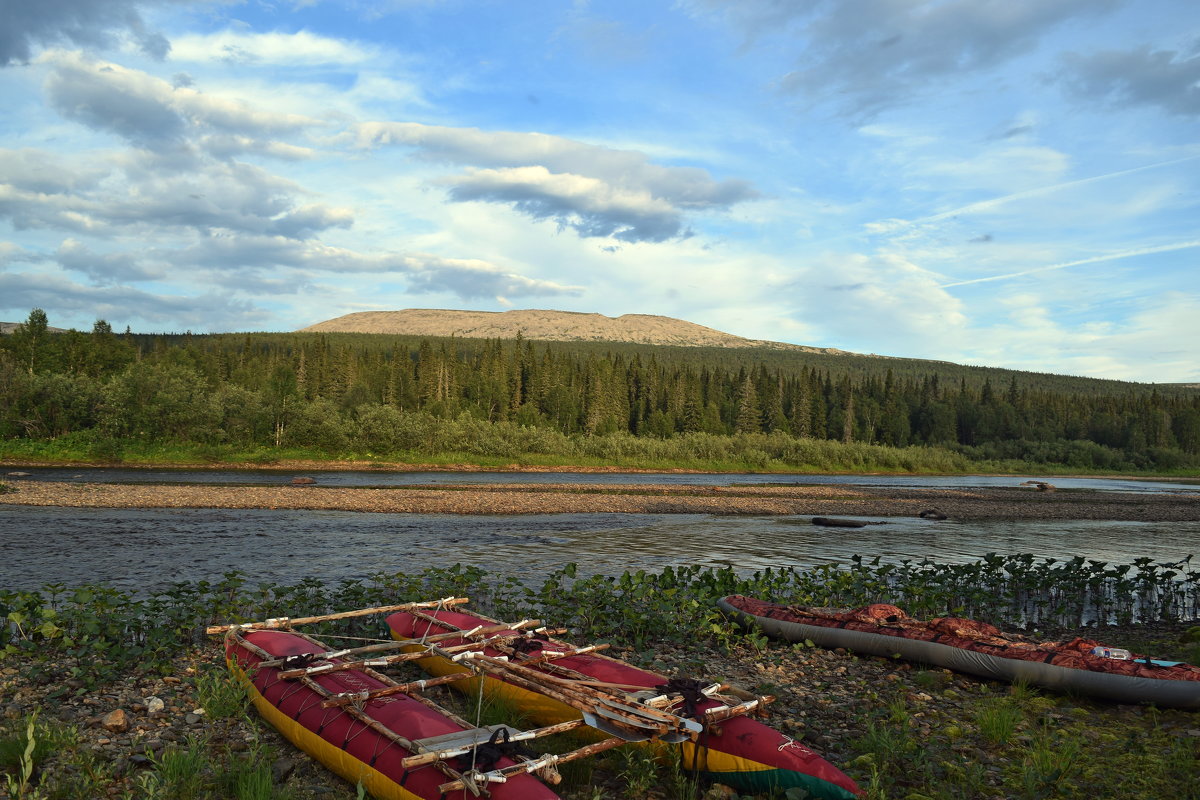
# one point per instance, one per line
(338, 393)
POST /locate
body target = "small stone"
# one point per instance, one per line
(282, 768)
(154, 705)
(115, 721)
(191, 719)
(171, 679)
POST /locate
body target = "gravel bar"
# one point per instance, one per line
(521, 498)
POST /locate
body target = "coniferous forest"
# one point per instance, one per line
(106, 395)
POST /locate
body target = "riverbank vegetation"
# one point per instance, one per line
(259, 398)
(902, 732)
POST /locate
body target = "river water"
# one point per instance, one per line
(146, 549)
(381, 478)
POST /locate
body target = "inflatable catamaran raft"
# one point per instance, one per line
(978, 648)
(553, 682)
(400, 745)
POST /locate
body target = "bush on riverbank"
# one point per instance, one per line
(466, 441)
(900, 731)
(113, 629)
(433, 440)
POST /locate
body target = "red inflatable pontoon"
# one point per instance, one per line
(359, 741)
(978, 648)
(737, 751)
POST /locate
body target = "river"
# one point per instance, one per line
(146, 549)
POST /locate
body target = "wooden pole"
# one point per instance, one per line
(385, 646)
(435, 755)
(286, 622)
(545, 762)
(361, 716)
(322, 669)
(349, 698)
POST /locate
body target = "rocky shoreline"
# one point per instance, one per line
(831, 700)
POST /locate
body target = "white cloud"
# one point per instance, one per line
(28, 23)
(870, 55)
(200, 311)
(595, 190)
(1141, 76)
(589, 206)
(276, 48)
(147, 110)
(1151, 344)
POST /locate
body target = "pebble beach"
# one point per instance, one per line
(516, 498)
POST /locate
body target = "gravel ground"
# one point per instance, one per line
(516, 498)
(824, 698)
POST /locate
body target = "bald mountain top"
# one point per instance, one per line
(10, 327)
(559, 326)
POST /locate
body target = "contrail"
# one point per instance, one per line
(996, 201)
(1145, 251)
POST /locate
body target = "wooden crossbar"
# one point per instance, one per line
(544, 660)
(640, 718)
(287, 622)
(520, 736)
(475, 782)
(360, 715)
(383, 647)
(321, 669)
(348, 698)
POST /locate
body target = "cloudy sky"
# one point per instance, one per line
(1010, 183)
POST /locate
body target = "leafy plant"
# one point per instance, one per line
(23, 756)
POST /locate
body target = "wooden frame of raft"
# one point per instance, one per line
(625, 717)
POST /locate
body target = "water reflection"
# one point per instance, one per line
(143, 549)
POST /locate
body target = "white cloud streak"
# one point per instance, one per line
(1142, 251)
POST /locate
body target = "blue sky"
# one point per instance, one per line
(1011, 183)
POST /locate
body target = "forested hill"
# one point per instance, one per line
(344, 393)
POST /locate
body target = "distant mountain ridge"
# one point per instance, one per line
(546, 325)
(9, 327)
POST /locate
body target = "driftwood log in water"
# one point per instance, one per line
(842, 522)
